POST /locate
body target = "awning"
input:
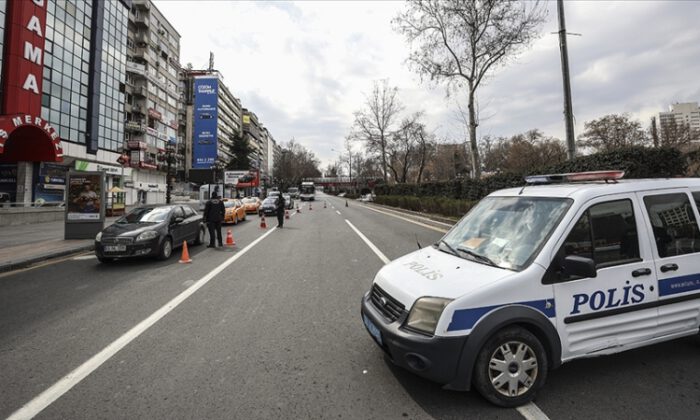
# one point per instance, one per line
(27, 138)
(116, 190)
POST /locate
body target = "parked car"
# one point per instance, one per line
(251, 204)
(288, 201)
(150, 231)
(367, 197)
(269, 207)
(235, 211)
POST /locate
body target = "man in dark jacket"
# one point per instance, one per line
(280, 211)
(214, 212)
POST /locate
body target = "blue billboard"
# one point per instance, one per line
(204, 141)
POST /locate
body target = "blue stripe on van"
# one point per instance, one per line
(680, 284)
(464, 319)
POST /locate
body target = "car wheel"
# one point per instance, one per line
(199, 240)
(166, 249)
(104, 260)
(510, 367)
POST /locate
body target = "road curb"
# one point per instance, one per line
(28, 262)
(430, 217)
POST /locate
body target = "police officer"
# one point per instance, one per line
(214, 212)
(280, 211)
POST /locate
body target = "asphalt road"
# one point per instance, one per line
(276, 333)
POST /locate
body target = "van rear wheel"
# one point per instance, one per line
(511, 367)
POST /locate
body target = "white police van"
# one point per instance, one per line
(533, 277)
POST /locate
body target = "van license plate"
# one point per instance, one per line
(373, 330)
(115, 248)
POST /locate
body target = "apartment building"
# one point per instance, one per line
(153, 101)
(682, 115)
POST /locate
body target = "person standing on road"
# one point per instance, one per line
(214, 212)
(280, 211)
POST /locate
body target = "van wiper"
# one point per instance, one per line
(452, 250)
(483, 258)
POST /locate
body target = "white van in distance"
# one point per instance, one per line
(568, 266)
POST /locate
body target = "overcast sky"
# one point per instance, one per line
(304, 67)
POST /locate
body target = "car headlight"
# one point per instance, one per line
(425, 314)
(98, 238)
(147, 236)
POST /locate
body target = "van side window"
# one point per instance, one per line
(673, 223)
(696, 197)
(606, 233)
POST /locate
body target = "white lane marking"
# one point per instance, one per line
(437, 229)
(46, 398)
(85, 257)
(369, 243)
(431, 220)
(531, 412)
(337, 211)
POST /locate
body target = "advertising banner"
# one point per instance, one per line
(84, 200)
(231, 177)
(204, 141)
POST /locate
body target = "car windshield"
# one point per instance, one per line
(249, 201)
(506, 232)
(271, 200)
(146, 215)
(229, 204)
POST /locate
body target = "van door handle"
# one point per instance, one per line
(669, 267)
(641, 272)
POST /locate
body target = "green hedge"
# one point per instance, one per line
(434, 205)
(637, 162)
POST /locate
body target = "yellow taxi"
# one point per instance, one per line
(251, 204)
(235, 211)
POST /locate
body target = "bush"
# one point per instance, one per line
(449, 207)
(455, 197)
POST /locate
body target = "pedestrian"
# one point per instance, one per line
(280, 211)
(214, 212)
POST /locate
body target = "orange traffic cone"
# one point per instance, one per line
(310, 208)
(263, 225)
(324, 204)
(185, 258)
(298, 209)
(286, 214)
(346, 203)
(229, 239)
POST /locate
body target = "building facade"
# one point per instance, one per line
(153, 102)
(680, 116)
(63, 74)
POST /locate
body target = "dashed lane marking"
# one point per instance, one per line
(531, 412)
(437, 229)
(337, 211)
(46, 398)
(369, 243)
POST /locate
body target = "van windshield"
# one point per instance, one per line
(507, 232)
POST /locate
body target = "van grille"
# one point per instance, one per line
(387, 305)
(117, 241)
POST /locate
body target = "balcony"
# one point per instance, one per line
(134, 67)
(136, 145)
(138, 109)
(142, 20)
(141, 38)
(142, 4)
(139, 91)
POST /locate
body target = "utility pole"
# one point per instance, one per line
(568, 108)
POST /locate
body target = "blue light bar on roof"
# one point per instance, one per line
(575, 177)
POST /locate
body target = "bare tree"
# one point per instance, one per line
(612, 132)
(462, 41)
(373, 124)
(674, 134)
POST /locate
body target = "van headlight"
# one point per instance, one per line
(147, 236)
(98, 238)
(425, 314)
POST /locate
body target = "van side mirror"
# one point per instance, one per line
(178, 220)
(577, 266)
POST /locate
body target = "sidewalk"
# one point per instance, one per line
(25, 245)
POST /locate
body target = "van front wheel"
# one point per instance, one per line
(510, 367)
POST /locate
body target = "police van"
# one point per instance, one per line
(568, 266)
